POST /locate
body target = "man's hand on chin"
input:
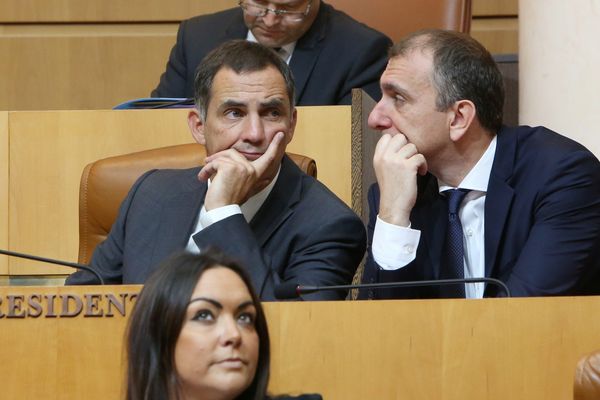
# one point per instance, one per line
(234, 179)
(397, 163)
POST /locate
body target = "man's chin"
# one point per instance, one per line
(269, 39)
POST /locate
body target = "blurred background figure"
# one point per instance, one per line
(328, 52)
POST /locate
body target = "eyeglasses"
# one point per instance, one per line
(257, 10)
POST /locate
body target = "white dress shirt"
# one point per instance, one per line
(248, 210)
(285, 52)
(395, 246)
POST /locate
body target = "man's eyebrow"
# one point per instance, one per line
(273, 103)
(392, 87)
(232, 103)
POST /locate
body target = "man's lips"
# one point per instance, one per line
(251, 156)
(270, 32)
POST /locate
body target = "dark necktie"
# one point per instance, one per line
(453, 263)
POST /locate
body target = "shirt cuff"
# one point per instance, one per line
(394, 246)
(207, 218)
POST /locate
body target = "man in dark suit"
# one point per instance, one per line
(329, 52)
(249, 199)
(518, 204)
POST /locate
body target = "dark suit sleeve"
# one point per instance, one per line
(173, 80)
(329, 255)
(368, 64)
(561, 252)
(107, 259)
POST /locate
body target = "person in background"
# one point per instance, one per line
(198, 331)
(521, 205)
(328, 52)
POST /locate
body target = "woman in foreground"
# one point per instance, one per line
(198, 331)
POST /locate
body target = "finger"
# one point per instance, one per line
(420, 163)
(212, 168)
(397, 142)
(274, 152)
(381, 145)
(207, 172)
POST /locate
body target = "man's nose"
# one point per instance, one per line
(254, 131)
(270, 18)
(378, 118)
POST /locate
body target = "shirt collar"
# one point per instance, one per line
(478, 177)
(285, 51)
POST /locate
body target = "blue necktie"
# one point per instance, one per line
(453, 264)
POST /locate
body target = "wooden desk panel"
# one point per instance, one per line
(434, 349)
(48, 151)
(3, 189)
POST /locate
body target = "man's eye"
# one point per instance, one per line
(233, 114)
(274, 114)
(399, 99)
(203, 315)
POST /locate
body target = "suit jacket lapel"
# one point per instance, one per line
(307, 51)
(178, 217)
(278, 206)
(499, 196)
(236, 29)
(436, 221)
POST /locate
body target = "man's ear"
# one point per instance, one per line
(196, 125)
(461, 116)
(293, 120)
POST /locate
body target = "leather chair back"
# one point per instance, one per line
(587, 378)
(398, 18)
(105, 184)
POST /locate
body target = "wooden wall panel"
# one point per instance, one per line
(498, 35)
(107, 10)
(48, 151)
(495, 24)
(495, 7)
(80, 66)
(3, 190)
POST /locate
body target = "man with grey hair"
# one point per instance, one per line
(249, 199)
(458, 195)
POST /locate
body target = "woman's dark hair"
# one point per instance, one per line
(157, 320)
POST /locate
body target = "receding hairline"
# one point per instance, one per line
(271, 101)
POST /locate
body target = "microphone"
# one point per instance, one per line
(52, 261)
(292, 290)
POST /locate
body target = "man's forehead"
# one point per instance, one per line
(415, 65)
(266, 83)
